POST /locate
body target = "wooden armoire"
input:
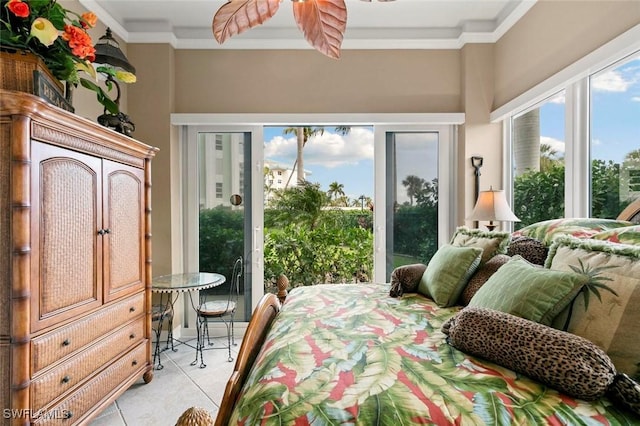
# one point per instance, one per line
(75, 263)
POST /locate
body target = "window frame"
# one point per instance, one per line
(574, 79)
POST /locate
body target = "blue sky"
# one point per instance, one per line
(330, 157)
(615, 112)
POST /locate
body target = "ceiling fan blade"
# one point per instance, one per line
(323, 23)
(237, 16)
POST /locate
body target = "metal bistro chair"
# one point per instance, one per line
(222, 310)
(160, 313)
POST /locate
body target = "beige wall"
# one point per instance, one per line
(304, 81)
(478, 137)
(151, 102)
(553, 35)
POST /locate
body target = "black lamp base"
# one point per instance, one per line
(120, 122)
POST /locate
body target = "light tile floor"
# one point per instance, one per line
(173, 389)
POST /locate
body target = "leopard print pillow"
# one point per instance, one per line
(482, 274)
(626, 392)
(561, 360)
(529, 248)
(405, 279)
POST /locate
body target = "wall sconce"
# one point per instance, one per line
(492, 205)
(108, 53)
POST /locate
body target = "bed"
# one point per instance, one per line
(351, 354)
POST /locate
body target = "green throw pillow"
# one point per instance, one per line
(528, 291)
(448, 272)
(491, 242)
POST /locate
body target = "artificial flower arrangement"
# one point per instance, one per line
(59, 37)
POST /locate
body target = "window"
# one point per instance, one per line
(538, 162)
(615, 138)
(585, 160)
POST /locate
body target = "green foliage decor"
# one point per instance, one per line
(325, 254)
(539, 195)
(221, 239)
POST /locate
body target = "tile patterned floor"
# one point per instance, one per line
(173, 389)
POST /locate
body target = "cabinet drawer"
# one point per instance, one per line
(56, 344)
(54, 383)
(73, 408)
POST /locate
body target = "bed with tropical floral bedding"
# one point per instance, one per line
(352, 355)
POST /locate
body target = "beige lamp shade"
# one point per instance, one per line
(492, 205)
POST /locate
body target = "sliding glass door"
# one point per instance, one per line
(414, 183)
(221, 222)
(228, 184)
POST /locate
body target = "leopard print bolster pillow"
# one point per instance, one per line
(561, 360)
(626, 392)
(405, 279)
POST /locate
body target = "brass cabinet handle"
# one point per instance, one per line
(134, 363)
(132, 336)
(132, 309)
(66, 342)
(66, 379)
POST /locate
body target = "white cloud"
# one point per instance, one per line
(612, 81)
(556, 145)
(635, 99)
(328, 150)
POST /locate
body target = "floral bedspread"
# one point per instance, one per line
(352, 355)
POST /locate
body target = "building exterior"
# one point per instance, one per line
(221, 168)
(278, 176)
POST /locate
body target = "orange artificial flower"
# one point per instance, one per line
(79, 42)
(89, 20)
(18, 8)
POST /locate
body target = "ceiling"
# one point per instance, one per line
(400, 24)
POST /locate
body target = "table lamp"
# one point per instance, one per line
(108, 53)
(492, 205)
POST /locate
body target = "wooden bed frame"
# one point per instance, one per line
(631, 213)
(267, 309)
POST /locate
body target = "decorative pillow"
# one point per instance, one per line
(481, 276)
(626, 235)
(547, 230)
(607, 312)
(625, 391)
(529, 248)
(528, 291)
(558, 359)
(448, 272)
(491, 242)
(405, 279)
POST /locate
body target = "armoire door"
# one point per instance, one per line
(66, 254)
(123, 229)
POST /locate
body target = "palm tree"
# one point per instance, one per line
(414, 185)
(301, 204)
(548, 158)
(302, 134)
(335, 191)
